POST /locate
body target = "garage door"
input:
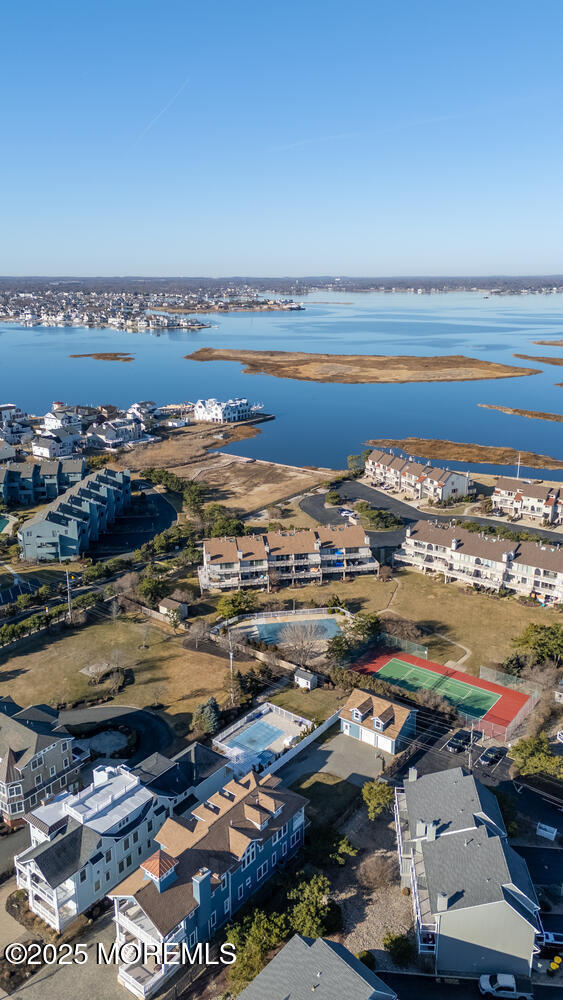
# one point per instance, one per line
(368, 737)
(384, 743)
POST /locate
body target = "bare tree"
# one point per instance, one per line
(126, 584)
(114, 611)
(146, 633)
(300, 641)
(97, 672)
(198, 631)
(376, 871)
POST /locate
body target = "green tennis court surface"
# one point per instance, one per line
(470, 700)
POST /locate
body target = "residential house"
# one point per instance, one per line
(527, 568)
(417, 479)
(115, 433)
(216, 412)
(56, 444)
(82, 845)
(323, 553)
(523, 498)
(306, 965)
(378, 722)
(144, 411)
(77, 518)
(14, 424)
(206, 867)
(475, 907)
(37, 759)
(7, 451)
(305, 679)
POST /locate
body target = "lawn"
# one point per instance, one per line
(329, 796)
(164, 671)
(484, 624)
(318, 704)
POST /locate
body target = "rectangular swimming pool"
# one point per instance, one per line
(271, 631)
(259, 736)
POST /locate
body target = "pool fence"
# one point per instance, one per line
(263, 617)
(515, 683)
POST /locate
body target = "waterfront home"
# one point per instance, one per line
(83, 844)
(36, 758)
(418, 480)
(7, 451)
(228, 412)
(66, 528)
(14, 424)
(523, 498)
(378, 722)
(474, 904)
(56, 444)
(528, 568)
(115, 433)
(205, 868)
(144, 411)
(323, 553)
(305, 965)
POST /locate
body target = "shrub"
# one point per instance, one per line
(399, 947)
(367, 958)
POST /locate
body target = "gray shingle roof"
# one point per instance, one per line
(69, 850)
(473, 868)
(322, 969)
(454, 799)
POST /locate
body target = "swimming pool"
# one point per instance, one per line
(271, 632)
(258, 737)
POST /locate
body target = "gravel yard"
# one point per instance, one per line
(368, 913)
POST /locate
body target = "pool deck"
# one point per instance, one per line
(287, 725)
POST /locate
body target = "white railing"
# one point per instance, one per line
(264, 616)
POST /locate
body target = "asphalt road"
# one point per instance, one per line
(139, 525)
(426, 988)
(154, 733)
(353, 490)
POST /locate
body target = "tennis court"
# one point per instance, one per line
(259, 736)
(471, 700)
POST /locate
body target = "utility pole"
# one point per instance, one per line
(470, 752)
(68, 597)
(518, 467)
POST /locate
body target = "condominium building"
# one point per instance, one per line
(82, 845)
(228, 412)
(205, 868)
(528, 568)
(37, 758)
(27, 483)
(474, 904)
(324, 553)
(78, 517)
(417, 479)
(522, 498)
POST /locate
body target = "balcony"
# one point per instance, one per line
(135, 921)
(140, 980)
(425, 924)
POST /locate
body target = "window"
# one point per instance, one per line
(52, 771)
(139, 850)
(240, 892)
(82, 875)
(193, 938)
(274, 858)
(295, 838)
(135, 837)
(248, 883)
(121, 866)
(15, 790)
(108, 857)
(63, 779)
(213, 919)
(227, 905)
(37, 779)
(36, 762)
(97, 885)
(16, 807)
(128, 860)
(64, 746)
(33, 800)
(65, 762)
(262, 870)
(284, 850)
(149, 825)
(126, 844)
(108, 876)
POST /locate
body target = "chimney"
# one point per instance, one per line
(409, 531)
(420, 828)
(455, 544)
(431, 830)
(442, 900)
(413, 774)
(201, 883)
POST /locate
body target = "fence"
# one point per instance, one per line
(515, 684)
(302, 745)
(262, 617)
(405, 645)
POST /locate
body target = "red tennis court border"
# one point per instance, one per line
(500, 716)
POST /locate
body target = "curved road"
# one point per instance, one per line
(352, 490)
(154, 733)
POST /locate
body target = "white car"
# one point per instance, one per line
(503, 984)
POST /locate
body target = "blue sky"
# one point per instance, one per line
(372, 137)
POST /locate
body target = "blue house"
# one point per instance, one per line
(207, 866)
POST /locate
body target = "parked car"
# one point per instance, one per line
(502, 984)
(458, 743)
(492, 755)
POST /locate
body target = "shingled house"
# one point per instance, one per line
(206, 867)
(475, 907)
(36, 759)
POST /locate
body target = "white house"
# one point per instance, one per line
(523, 498)
(228, 412)
(417, 479)
(115, 433)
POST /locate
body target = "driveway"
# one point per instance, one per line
(154, 733)
(10, 929)
(342, 756)
(12, 844)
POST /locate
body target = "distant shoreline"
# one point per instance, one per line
(515, 411)
(360, 368)
(452, 451)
